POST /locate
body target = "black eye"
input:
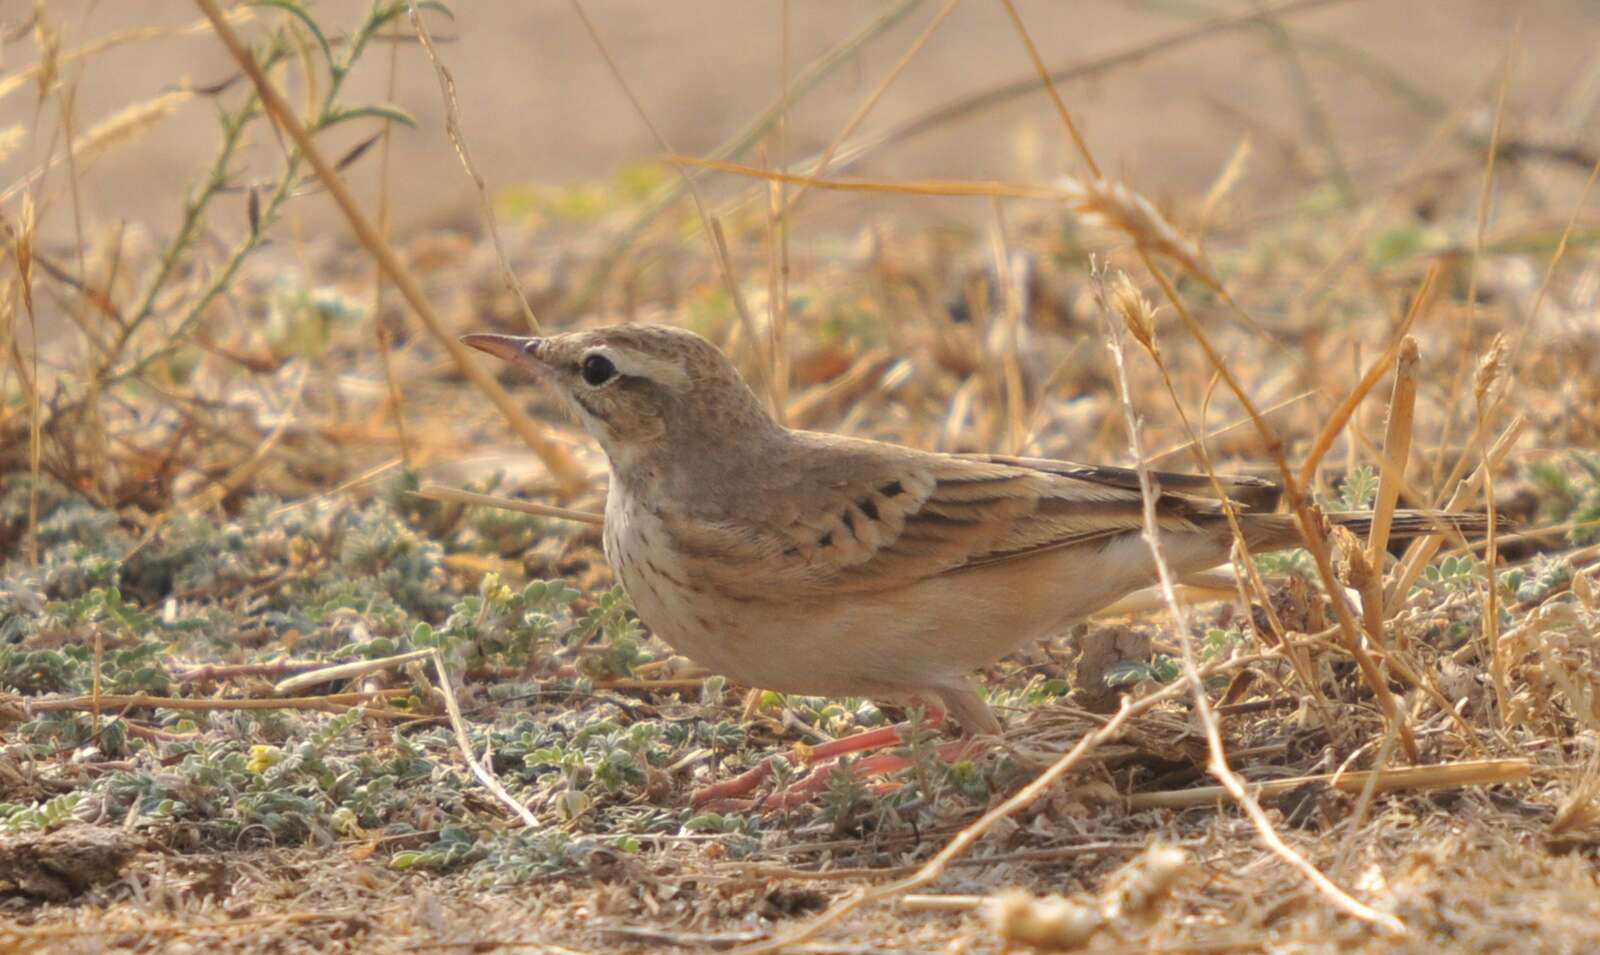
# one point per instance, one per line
(597, 370)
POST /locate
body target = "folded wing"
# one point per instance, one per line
(882, 517)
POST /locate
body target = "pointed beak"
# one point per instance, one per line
(522, 352)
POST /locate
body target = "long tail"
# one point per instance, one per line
(1274, 531)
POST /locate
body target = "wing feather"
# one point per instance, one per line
(902, 516)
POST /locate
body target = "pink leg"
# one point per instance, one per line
(818, 779)
(728, 788)
(872, 739)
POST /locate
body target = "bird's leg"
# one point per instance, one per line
(814, 783)
(872, 739)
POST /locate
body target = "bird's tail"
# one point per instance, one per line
(1274, 531)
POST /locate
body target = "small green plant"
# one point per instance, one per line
(1296, 562)
(1358, 489)
(266, 204)
(503, 625)
(1164, 668)
(1161, 668)
(1455, 574)
(611, 619)
(1532, 584)
(1038, 691)
(133, 664)
(1572, 494)
(1220, 642)
(52, 814)
(455, 847)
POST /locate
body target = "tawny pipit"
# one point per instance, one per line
(819, 564)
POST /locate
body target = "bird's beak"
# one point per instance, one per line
(522, 352)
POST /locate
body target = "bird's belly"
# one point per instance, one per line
(930, 633)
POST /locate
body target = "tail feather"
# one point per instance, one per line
(1419, 523)
(1273, 531)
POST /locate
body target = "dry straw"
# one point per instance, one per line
(1485, 388)
(45, 70)
(930, 871)
(121, 128)
(1218, 766)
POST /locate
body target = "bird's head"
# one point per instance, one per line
(641, 390)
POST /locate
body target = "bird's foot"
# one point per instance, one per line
(725, 794)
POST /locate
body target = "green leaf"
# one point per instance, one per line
(295, 10)
(376, 111)
(1359, 488)
(1127, 673)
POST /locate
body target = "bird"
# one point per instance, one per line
(821, 564)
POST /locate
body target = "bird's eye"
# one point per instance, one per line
(597, 370)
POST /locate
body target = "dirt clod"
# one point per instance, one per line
(60, 866)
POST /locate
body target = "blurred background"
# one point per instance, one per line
(538, 105)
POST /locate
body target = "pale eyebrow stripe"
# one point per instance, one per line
(640, 365)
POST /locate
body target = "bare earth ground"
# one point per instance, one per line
(206, 472)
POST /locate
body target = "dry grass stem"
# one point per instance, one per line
(1308, 516)
(1225, 182)
(775, 370)
(767, 361)
(1136, 312)
(1422, 550)
(385, 339)
(913, 187)
(41, 70)
(1485, 385)
(1012, 321)
(480, 769)
(821, 166)
(1560, 252)
(1111, 205)
(438, 492)
(1050, 88)
(1189, 445)
(718, 243)
(1486, 772)
(1581, 807)
(19, 709)
(119, 129)
(1396, 449)
(778, 227)
(1341, 415)
(346, 671)
(935, 867)
(1218, 764)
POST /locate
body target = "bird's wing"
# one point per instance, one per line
(1249, 493)
(879, 518)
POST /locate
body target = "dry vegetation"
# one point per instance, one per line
(212, 439)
